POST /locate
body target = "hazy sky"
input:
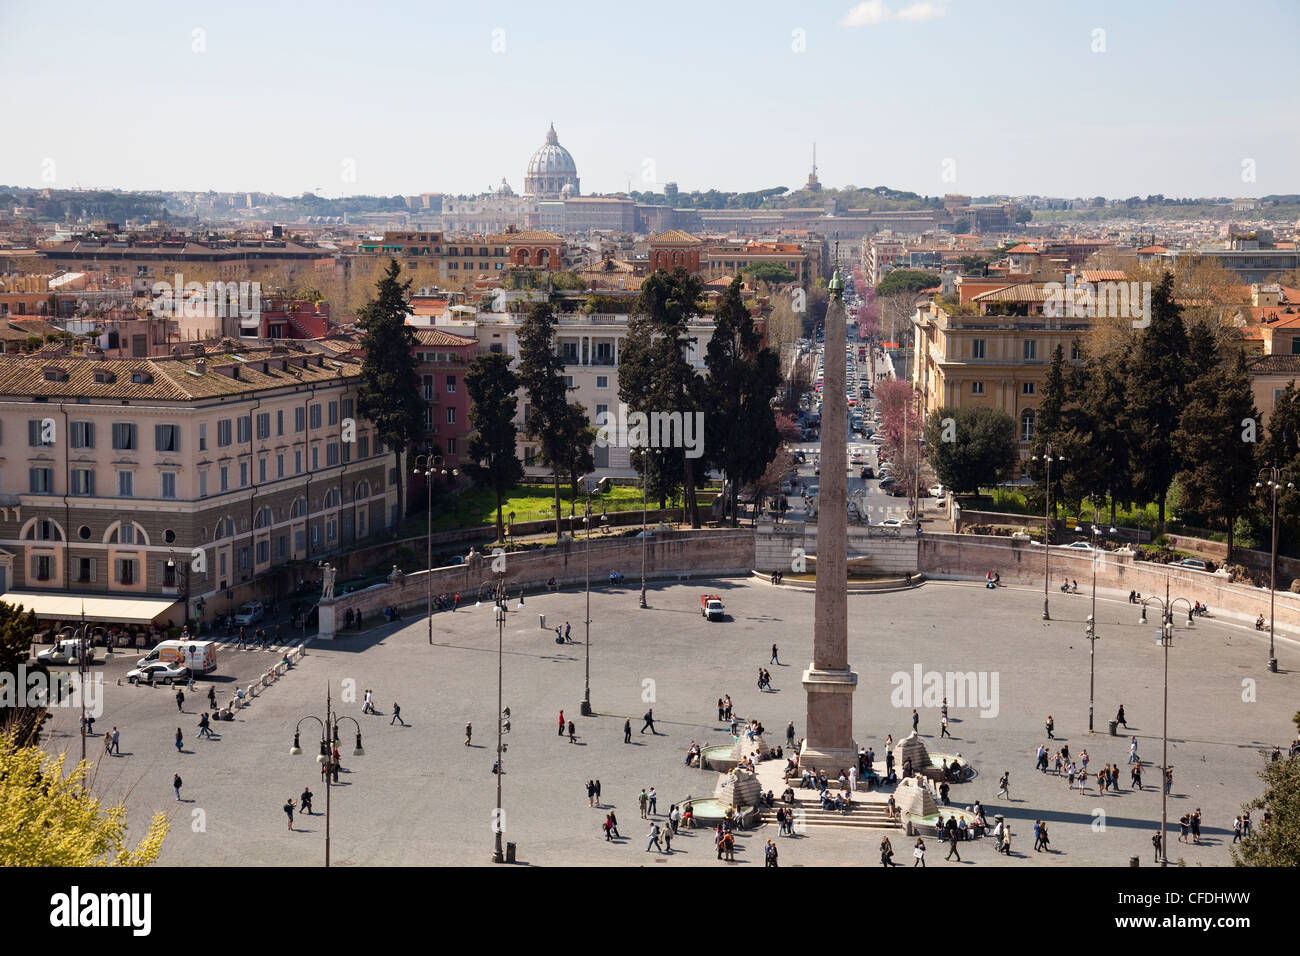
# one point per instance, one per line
(971, 96)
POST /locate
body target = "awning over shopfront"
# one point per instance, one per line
(99, 608)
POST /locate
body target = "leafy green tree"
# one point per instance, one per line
(1215, 443)
(577, 439)
(1158, 382)
(1277, 844)
(48, 818)
(655, 376)
(492, 461)
(982, 451)
(1103, 404)
(17, 631)
(541, 373)
(1282, 448)
(389, 393)
(906, 280)
(740, 426)
(769, 272)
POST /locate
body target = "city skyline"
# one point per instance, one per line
(872, 84)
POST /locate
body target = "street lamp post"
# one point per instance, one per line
(1092, 622)
(498, 820)
(1274, 484)
(645, 534)
(601, 486)
(329, 733)
(1166, 638)
(1047, 522)
(431, 467)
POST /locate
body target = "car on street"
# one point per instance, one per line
(159, 672)
(936, 491)
(891, 523)
(886, 482)
(711, 607)
(1078, 546)
(250, 612)
(1196, 564)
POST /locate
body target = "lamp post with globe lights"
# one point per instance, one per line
(329, 732)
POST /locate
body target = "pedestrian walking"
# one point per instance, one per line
(1155, 842)
(212, 696)
(667, 832)
(397, 716)
(561, 730)
(641, 801)
(1196, 826)
(597, 791)
(1135, 777)
(943, 727)
(305, 800)
(180, 741)
(886, 852)
(1133, 750)
(288, 811)
(204, 729)
(952, 843)
(627, 730)
(1051, 726)
(1119, 717)
(1236, 829)
(108, 743)
(566, 633)
(775, 659)
(572, 730)
(369, 707)
(916, 719)
(769, 855)
(180, 700)
(241, 643)
(1169, 780)
(469, 732)
(729, 846)
(591, 793)
(1004, 785)
(176, 785)
(1038, 834)
(652, 801)
(116, 749)
(918, 853)
(789, 736)
(654, 838)
(650, 722)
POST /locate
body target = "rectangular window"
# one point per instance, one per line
(223, 433)
(331, 530)
(245, 429)
(451, 446)
(83, 481)
(451, 384)
(281, 546)
(347, 451)
(363, 446)
(38, 436)
(348, 406)
(125, 484)
(315, 415)
(602, 381)
(261, 470)
(167, 438)
(1027, 388)
(225, 478)
(126, 533)
(83, 434)
(299, 419)
(85, 570)
(1076, 354)
(331, 454)
(300, 540)
(334, 413)
(977, 388)
(428, 388)
(315, 457)
(40, 481)
(279, 422)
(124, 436)
(42, 567)
(245, 558)
(264, 425)
(203, 436)
(1031, 350)
(263, 552)
(168, 574)
(203, 484)
(279, 466)
(126, 571)
(315, 536)
(221, 563)
(243, 474)
(568, 381)
(977, 348)
(297, 462)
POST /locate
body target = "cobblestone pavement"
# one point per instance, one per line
(420, 796)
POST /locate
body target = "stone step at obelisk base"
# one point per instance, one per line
(870, 807)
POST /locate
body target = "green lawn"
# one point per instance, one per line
(528, 502)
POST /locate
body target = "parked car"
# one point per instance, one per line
(250, 612)
(1078, 546)
(1195, 564)
(886, 482)
(160, 672)
(711, 607)
(892, 523)
(936, 491)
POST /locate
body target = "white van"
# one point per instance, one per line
(199, 656)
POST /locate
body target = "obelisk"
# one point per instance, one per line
(828, 681)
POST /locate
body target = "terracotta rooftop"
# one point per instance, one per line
(674, 235)
(1103, 275)
(438, 337)
(170, 379)
(527, 235)
(1152, 250)
(1274, 365)
(1023, 249)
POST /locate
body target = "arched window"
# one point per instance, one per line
(299, 508)
(42, 529)
(126, 532)
(224, 529)
(362, 491)
(1027, 425)
(331, 499)
(264, 518)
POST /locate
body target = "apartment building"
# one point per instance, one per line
(118, 475)
(444, 358)
(992, 349)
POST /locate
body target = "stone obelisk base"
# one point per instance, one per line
(830, 720)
